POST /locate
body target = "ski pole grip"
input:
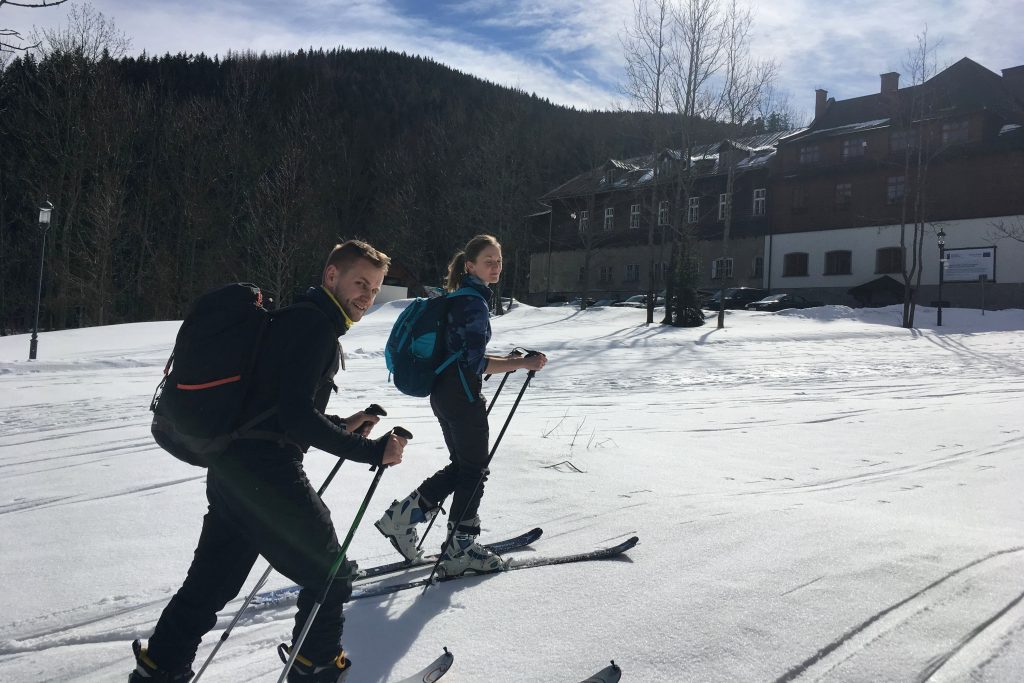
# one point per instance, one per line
(397, 431)
(372, 409)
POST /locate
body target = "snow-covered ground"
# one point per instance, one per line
(820, 495)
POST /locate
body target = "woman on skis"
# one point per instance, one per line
(462, 412)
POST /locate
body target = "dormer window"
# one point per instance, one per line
(854, 148)
(954, 132)
(809, 154)
(609, 176)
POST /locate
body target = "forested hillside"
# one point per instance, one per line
(172, 174)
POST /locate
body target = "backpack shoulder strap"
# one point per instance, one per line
(466, 291)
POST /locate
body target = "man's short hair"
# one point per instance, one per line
(345, 254)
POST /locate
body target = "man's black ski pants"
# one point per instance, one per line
(260, 503)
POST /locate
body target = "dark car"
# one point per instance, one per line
(735, 297)
(778, 302)
(639, 301)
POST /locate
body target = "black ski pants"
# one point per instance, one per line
(466, 433)
(260, 503)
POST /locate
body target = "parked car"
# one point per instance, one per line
(639, 301)
(735, 297)
(778, 302)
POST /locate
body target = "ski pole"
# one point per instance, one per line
(514, 352)
(479, 482)
(429, 526)
(372, 409)
(363, 430)
(297, 645)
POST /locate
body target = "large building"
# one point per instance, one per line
(837, 211)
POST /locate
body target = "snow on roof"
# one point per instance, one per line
(848, 128)
(1009, 128)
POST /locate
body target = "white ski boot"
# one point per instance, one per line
(466, 555)
(399, 524)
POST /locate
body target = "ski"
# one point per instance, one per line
(499, 547)
(600, 554)
(610, 674)
(434, 671)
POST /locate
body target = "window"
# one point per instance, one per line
(634, 216)
(954, 132)
(844, 193)
(609, 176)
(889, 260)
(899, 140)
(758, 269)
(605, 274)
(663, 213)
(584, 220)
(660, 270)
(894, 189)
(721, 268)
(609, 218)
(854, 148)
(838, 262)
(794, 264)
(798, 202)
(809, 154)
(693, 210)
(632, 272)
(759, 195)
(723, 203)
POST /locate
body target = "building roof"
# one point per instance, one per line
(637, 172)
(964, 87)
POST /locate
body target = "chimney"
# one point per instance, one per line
(820, 100)
(1013, 79)
(890, 82)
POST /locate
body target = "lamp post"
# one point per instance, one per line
(941, 235)
(44, 225)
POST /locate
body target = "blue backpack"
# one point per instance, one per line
(415, 351)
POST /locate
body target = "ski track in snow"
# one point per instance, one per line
(984, 624)
(953, 618)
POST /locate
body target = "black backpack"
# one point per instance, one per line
(197, 405)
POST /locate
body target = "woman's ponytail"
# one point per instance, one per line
(456, 271)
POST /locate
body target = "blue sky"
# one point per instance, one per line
(569, 50)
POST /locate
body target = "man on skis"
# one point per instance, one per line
(260, 501)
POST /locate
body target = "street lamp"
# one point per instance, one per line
(941, 235)
(44, 225)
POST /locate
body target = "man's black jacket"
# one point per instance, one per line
(295, 369)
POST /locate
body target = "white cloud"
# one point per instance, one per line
(569, 50)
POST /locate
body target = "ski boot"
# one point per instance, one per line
(305, 671)
(466, 555)
(147, 671)
(399, 524)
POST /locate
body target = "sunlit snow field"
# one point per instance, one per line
(819, 495)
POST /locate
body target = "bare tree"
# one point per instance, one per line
(63, 104)
(8, 35)
(697, 59)
(745, 83)
(1013, 230)
(88, 34)
(278, 225)
(915, 117)
(648, 48)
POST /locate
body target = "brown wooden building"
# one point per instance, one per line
(857, 196)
